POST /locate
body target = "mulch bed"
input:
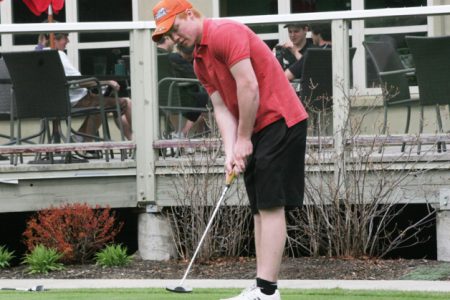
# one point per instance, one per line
(237, 268)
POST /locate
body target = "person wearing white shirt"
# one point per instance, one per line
(81, 97)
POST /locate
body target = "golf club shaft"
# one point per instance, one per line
(20, 289)
(206, 231)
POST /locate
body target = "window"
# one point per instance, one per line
(316, 6)
(376, 31)
(104, 11)
(100, 61)
(92, 53)
(398, 21)
(233, 8)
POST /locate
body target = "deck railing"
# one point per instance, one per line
(144, 77)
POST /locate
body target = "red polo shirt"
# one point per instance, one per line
(224, 43)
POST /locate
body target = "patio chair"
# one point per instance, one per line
(430, 55)
(316, 84)
(5, 98)
(393, 77)
(6, 111)
(41, 91)
(173, 99)
(5, 104)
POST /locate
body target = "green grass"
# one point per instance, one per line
(438, 272)
(213, 294)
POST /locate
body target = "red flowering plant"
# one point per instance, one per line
(77, 231)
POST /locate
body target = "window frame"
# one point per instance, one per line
(74, 47)
(357, 35)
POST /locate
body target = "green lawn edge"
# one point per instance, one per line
(211, 294)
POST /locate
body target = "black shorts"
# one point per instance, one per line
(275, 174)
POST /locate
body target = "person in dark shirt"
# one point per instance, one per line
(321, 35)
(291, 51)
(164, 46)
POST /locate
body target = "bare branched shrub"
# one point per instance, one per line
(354, 213)
(197, 185)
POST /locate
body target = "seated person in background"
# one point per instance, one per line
(291, 51)
(321, 37)
(43, 42)
(192, 96)
(165, 45)
(81, 97)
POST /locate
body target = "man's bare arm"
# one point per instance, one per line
(248, 101)
(228, 127)
(248, 96)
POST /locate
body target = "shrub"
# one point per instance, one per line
(5, 257)
(196, 189)
(113, 255)
(354, 197)
(43, 260)
(77, 231)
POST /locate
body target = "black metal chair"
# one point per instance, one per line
(5, 98)
(430, 55)
(393, 77)
(173, 98)
(41, 91)
(316, 84)
(5, 104)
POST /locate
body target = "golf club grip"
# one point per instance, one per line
(230, 178)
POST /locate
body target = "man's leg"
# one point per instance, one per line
(125, 118)
(92, 123)
(270, 239)
(125, 104)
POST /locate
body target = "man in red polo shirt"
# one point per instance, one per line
(261, 120)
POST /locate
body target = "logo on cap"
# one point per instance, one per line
(160, 13)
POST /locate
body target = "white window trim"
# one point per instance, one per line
(74, 47)
(6, 18)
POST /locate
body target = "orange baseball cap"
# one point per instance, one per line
(164, 13)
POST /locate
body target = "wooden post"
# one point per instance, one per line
(341, 88)
(145, 111)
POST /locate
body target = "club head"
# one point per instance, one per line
(179, 289)
(37, 288)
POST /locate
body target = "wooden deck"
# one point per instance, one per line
(28, 187)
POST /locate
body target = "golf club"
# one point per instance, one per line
(184, 289)
(37, 288)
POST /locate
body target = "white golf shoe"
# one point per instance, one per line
(254, 293)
